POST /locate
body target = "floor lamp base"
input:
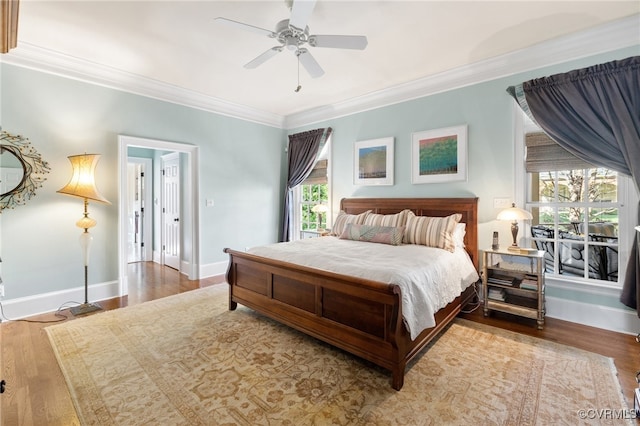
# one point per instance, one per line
(85, 308)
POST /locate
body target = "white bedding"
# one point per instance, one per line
(429, 278)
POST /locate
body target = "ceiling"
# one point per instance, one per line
(178, 46)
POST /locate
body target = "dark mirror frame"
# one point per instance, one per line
(34, 168)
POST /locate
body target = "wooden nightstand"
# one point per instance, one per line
(514, 283)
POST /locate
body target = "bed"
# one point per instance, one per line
(359, 315)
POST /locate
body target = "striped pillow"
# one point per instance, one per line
(394, 220)
(432, 231)
(374, 234)
(343, 218)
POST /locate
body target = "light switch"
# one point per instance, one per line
(501, 203)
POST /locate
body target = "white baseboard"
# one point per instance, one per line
(22, 307)
(213, 269)
(605, 317)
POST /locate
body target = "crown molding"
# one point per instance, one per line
(29, 56)
(612, 36)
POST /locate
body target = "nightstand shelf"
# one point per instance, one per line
(514, 283)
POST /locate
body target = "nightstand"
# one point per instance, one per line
(313, 233)
(514, 283)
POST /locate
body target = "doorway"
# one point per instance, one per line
(190, 256)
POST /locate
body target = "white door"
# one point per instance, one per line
(139, 211)
(171, 210)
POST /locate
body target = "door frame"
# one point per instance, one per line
(147, 195)
(191, 197)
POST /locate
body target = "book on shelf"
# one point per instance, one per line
(522, 250)
(501, 279)
(496, 294)
(528, 286)
(529, 283)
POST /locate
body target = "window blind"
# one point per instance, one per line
(318, 175)
(544, 154)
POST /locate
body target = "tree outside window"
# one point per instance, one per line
(310, 196)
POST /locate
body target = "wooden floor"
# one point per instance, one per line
(37, 394)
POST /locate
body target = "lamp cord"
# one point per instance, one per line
(61, 317)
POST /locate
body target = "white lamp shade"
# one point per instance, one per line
(319, 208)
(514, 213)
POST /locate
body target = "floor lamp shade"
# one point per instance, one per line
(82, 184)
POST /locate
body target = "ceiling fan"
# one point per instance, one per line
(293, 34)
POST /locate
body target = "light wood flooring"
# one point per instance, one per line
(36, 392)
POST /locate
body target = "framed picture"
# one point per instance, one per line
(439, 155)
(373, 162)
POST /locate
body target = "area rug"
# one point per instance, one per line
(188, 360)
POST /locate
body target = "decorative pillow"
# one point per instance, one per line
(374, 234)
(340, 223)
(458, 234)
(432, 231)
(393, 220)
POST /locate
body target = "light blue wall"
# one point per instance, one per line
(242, 165)
(487, 110)
(240, 168)
(489, 113)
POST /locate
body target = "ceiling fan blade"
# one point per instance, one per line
(243, 26)
(264, 57)
(301, 11)
(309, 63)
(339, 41)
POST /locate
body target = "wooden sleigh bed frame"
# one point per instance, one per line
(360, 316)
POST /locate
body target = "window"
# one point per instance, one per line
(311, 195)
(576, 211)
(313, 191)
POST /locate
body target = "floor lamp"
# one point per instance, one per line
(82, 184)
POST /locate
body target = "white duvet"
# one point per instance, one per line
(429, 278)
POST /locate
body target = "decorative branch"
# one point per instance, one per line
(34, 168)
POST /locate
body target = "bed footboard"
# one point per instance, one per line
(360, 316)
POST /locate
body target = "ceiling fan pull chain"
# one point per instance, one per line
(299, 87)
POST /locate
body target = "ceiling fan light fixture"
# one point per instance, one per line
(293, 34)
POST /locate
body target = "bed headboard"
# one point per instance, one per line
(435, 207)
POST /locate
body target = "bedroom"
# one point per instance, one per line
(64, 116)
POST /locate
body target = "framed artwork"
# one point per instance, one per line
(439, 155)
(373, 162)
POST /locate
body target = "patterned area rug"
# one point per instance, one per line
(187, 360)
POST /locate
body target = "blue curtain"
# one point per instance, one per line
(594, 113)
(302, 155)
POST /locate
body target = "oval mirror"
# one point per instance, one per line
(22, 170)
(11, 171)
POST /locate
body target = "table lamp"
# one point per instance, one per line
(514, 214)
(319, 209)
